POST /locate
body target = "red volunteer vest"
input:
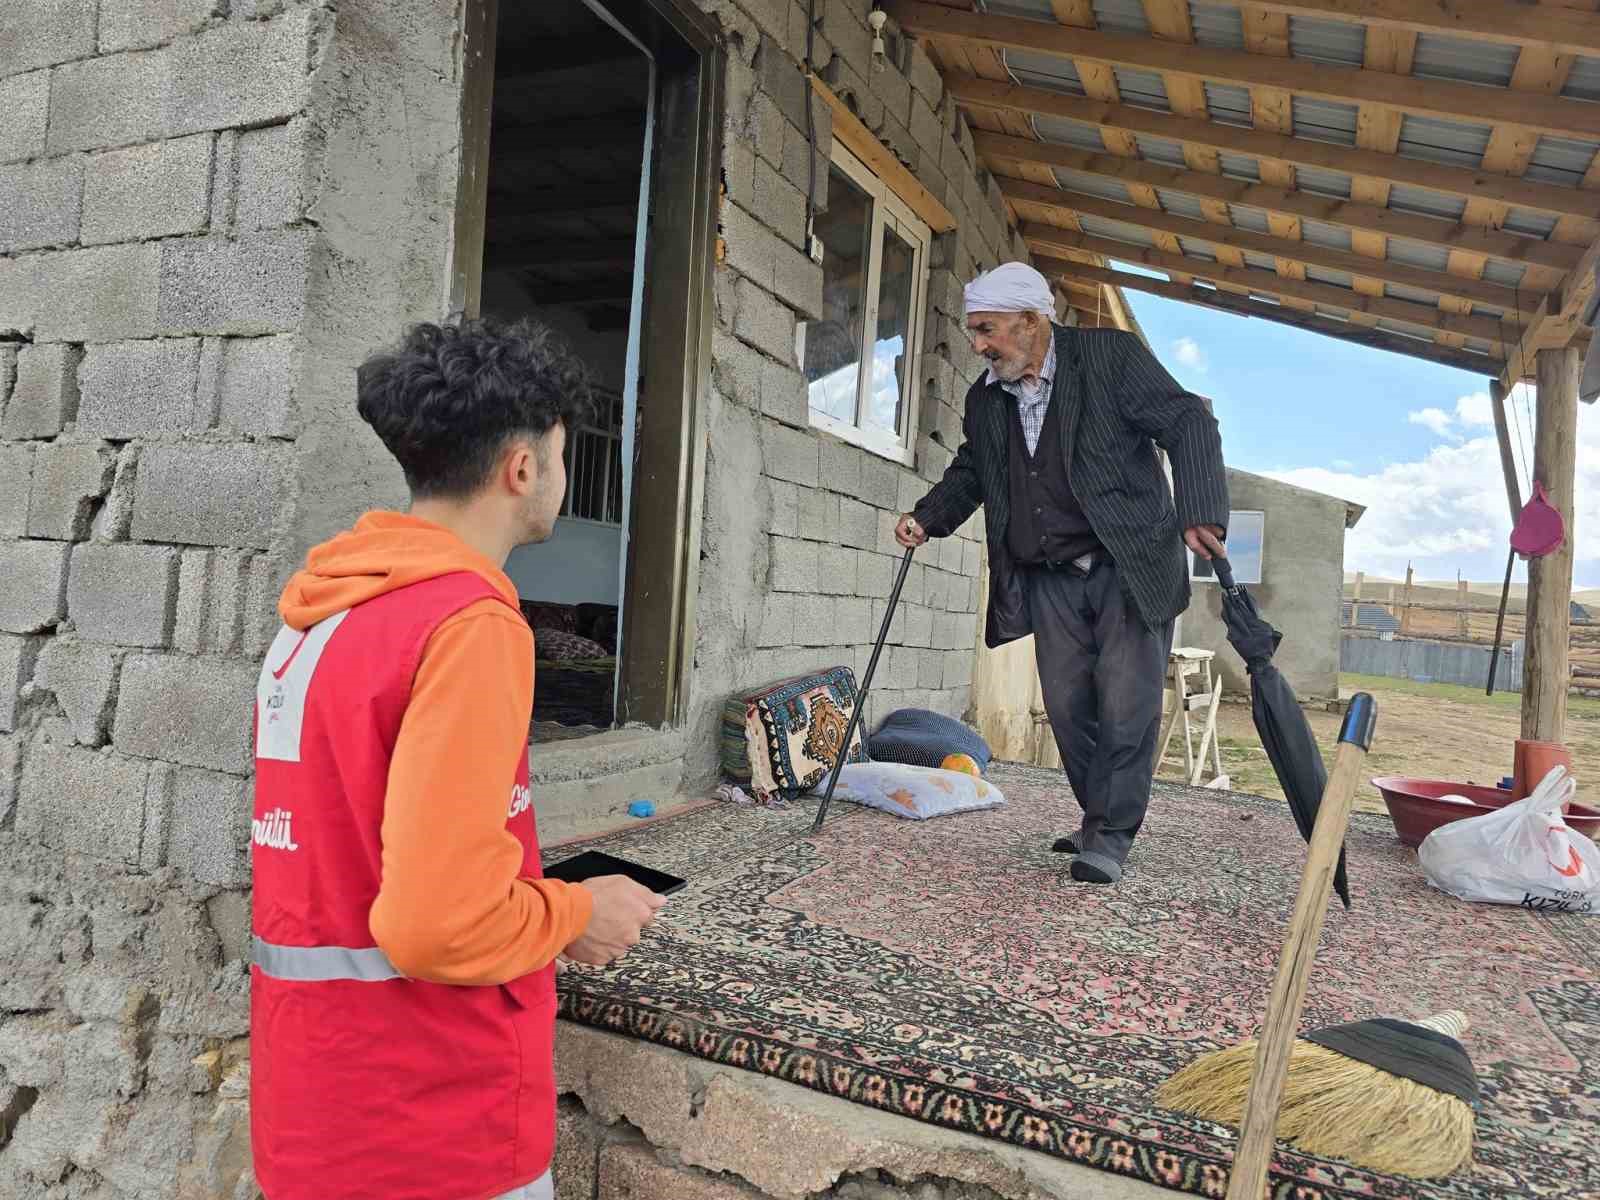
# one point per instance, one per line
(364, 1084)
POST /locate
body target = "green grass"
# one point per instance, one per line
(1583, 708)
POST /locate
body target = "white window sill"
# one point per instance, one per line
(884, 445)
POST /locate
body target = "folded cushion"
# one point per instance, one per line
(914, 792)
(784, 738)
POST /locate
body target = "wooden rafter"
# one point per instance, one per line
(1432, 231)
(1242, 306)
(1302, 77)
(1452, 181)
(1055, 201)
(1261, 282)
(1485, 20)
(1556, 322)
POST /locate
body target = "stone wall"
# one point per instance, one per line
(210, 212)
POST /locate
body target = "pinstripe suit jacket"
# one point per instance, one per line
(1119, 403)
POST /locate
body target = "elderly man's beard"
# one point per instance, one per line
(1009, 368)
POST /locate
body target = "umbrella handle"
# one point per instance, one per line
(1258, 1130)
(1223, 571)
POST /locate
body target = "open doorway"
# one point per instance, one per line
(587, 204)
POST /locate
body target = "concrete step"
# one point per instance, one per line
(584, 786)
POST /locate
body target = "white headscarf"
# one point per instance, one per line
(1010, 287)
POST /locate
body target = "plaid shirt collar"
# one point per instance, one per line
(1047, 374)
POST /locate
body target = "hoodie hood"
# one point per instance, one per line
(385, 551)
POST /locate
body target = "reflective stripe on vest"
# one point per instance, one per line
(320, 964)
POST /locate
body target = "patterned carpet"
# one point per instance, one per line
(949, 971)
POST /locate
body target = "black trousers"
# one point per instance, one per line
(1102, 671)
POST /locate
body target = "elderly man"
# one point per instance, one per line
(1085, 546)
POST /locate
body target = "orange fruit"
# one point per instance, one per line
(964, 763)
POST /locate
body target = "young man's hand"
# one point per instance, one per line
(621, 909)
(908, 533)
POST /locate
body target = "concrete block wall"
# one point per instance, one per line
(197, 199)
(798, 549)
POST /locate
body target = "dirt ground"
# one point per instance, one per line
(1432, 731)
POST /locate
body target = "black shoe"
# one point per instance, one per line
(1086, 872)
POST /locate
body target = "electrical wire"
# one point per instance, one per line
(811, 123)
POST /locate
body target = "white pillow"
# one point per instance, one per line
(915, 792)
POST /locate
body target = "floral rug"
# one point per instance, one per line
(950, 971)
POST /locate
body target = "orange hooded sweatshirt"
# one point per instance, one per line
(450, 906)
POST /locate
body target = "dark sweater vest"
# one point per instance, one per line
(1047, 522)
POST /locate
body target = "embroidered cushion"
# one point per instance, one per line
(914, 792)
(784, 739)
(557, 645)
(925, 739)
(540, 615)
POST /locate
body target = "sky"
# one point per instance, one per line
(1411, 440)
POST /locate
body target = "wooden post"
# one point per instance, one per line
(1508, 459)
(1405, 611)
(1464, 616)
(1546, 674)
(1355, 604)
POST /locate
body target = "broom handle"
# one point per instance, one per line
(1258, 1132)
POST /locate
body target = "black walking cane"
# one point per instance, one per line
(1500, 623)
(866, 685)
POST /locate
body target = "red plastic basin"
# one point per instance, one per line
(1416, 808)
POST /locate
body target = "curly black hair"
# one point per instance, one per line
(446, 401)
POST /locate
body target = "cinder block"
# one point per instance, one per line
(194, 712)
(33, 585)
(780, 204)
(792, 565)
(189, 628)
(83, 677)
(260, 621)
(924, 76)
(123, 594)
(253, 285)
(16, 478)
(10, 769)
(83, 801)
(736, 369)
(69, 478)
(778, 75)
(578, 1141)
(46, 32)
(936, 589)
(880, 482)
(919, 627)
(789, 454)
(208, 830)
(25, 99)
(836, 571)
(256, 386)
(798, 281)
(271, 177)
(228, 593)
(17, 658)
(813, 620)
(44, 397)
(207, 495)
(857, 525)
(101, 294)
(853, 620)
(944, 630)
(785, 508)
(841, 466)
(969, 559)
(112, 522)
(40, 203)
(777, 620)
(915, 587)
(958, 667)
(930, 669)
(139, 389)
(140, 24)
(874, 575)
(763, 321)
(151, 191)
(819, 515)
(109, 101)
(928, 134)
(224, 181)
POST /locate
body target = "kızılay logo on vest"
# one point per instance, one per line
(521, 801)
(273, 831)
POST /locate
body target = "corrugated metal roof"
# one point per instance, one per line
(1478, 346)
(1121, 16)
(1488, 310)
(1584, 81)
(1069, 133)
(1252, 219)
(1415, 254)
(1144, 88)
(1320, 234)
(1399, 291)
(1341, 42)
(1441, 57)
(1043, 70)
(1092, 185)
(1039, 10)
(1404, 198)
(1504, 273)
(1161, 150)
(1198, 250)
(1218, 25)
(1327, 275)
(1443, 141)
(1262, 262)
(1325, 120)
(1323, 183)
(1229, 105)
(1263, 298)
(1181, 205)
(1529, 223)
(1561, 160)
(1337, 314)
(1239, 166)
(1405, 329)
(1116, 230)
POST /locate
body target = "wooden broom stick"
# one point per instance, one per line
(1258, 1131)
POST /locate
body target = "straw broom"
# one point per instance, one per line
(1392, 1096)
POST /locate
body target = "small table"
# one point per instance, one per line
(1193, 686)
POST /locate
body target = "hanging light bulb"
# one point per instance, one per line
(876, 19)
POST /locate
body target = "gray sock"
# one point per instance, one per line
(1089, 867)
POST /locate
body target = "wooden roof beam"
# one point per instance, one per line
(1548, 28)
(1452, 181)
(1556, 322)
(1241, 307)
(1272, 283)
(1432, 231)
(1055, 202)
(1350, 85)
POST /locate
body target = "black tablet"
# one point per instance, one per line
(592, 863)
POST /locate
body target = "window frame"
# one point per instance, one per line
(1261, 558)
(889, 211)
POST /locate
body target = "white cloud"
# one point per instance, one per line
(1188, 353)
(1447, 510)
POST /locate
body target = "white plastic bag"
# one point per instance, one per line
(1522, 854)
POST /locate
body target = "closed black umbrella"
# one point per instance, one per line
(1284, 730)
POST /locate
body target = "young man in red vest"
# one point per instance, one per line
(403, 996)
